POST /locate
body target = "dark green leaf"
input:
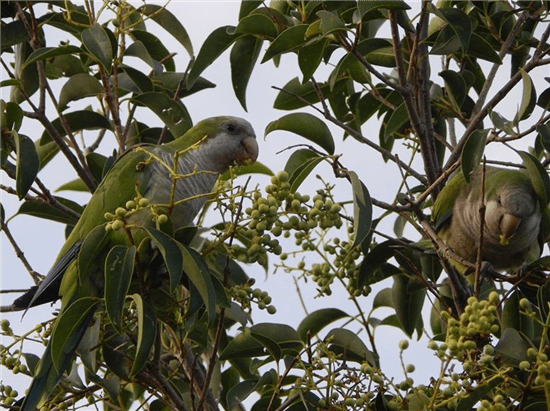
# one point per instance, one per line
(407, 303)
(456, 88)
(513, 318)
(307, 126)
(257, 25)
(214, 45)
(46, 53)
(330, 22)
(147, 332)
(528, 98)
(171, 253)
(68, 329)
(248, 344)
(299, 166)
(472, 152)
(155, 47)
(91, 249)
(365, 7)
(544, 99)
(119, 268)
(48, 212)
(397, 119)
(27, 165)
(289, 40)
(362, 209)
(168, 22)
(98, 44)
(310, 56)
(538, 176)
(134, 80)
(138, 49)
(198, 273)
(77, 120)
(544, 132)
(456, 34)
(481, 49)
(384, 298)
(248, 7)
(13, 33)
(296, 95)
(241, 391)
(317, 320)
(77, 87)
(172, 112)
(350, 345)
(243, 57)
(479, 392)
(73, 185)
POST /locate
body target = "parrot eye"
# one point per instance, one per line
(231, 127)
(499, 202)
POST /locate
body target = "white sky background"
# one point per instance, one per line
(41, 239)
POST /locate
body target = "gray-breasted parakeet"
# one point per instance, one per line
(514, 222)
(118, 208)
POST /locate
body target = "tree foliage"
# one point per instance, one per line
(436, 82)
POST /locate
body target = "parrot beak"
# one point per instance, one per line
(248, 151)
(508, 226)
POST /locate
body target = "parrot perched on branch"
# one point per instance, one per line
(143, 189)
(514, 224)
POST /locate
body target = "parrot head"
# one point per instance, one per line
(228, 141)
(512, 212)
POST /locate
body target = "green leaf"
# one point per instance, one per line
(73, 185)
(289, 40)
(258, 25)
(241, 391)
(502, 123)
(299, 165)
(472, 152)
(456, 34)
(248, 7)
(119, 268)
(165, 19)
(310, 56)
(478, 393)
(27, 165)
(513, 318)
(481, 49)
(243, 57)
(147, 332)
(397, 119)
(91, 248)
(287, 99)
(77, 120)
(77, 87)
(214, 45)
(134, 80)
(171, 253)
(365, 7)
(407, 302)
(98, 44)
(538, 176)
(138, 49)
(251, 341)
(48, 212)
(456, 88)
(544, 99)
(307, 126)
(317, 320)
(330, 22)
(528, 98)
(362, 209)
(155, 47)
(353, 348)
(256, 168)
(67, 332)
(199, 274)
(46, 53)
(172, 112)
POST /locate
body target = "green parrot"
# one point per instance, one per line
(145, 183)
(514, 224)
